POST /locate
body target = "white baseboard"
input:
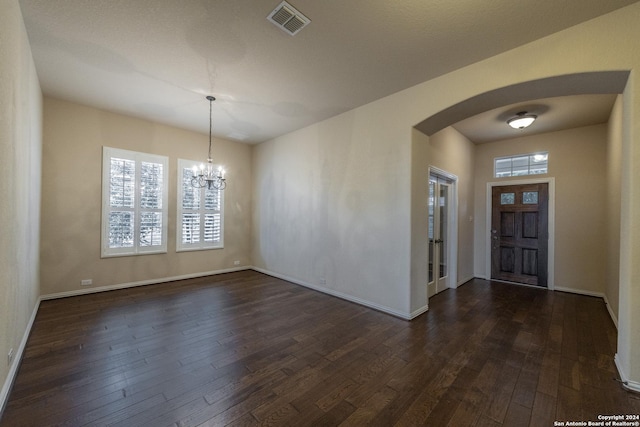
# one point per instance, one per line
(463, 281)
(580, 292)
(591, 294)
(626, 382)
(418, 312)
(17, 358)
(351, 298)
(6, 388)
(613, 316)
(90, 290)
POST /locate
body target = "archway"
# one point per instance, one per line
(605, 82)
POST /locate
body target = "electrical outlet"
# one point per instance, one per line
(236, 262)
(10, 356)
(323, 281)
(86, 282)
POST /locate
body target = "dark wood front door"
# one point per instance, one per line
(519, 233)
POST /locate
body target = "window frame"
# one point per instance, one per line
(530, 162)
(107, 154)
(201, 245)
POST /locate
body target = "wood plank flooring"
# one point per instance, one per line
(245, 349)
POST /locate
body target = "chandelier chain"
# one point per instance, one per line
(211, 99)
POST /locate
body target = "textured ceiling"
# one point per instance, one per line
(157, 59)
(554, 114)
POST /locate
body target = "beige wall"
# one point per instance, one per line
(577, 162)
(73, 137)
(612, 206)
(20, 153)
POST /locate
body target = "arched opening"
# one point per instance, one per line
(430, 139)
(569, 84)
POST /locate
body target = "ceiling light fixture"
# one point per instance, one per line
(207, 176)
(521, 120)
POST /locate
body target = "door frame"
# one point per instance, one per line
(452, 230)
(551, 224)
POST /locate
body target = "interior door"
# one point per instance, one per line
(440, 193)
(519, 233)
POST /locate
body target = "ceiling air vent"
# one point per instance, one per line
(288, 19)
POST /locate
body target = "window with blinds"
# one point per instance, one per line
(200, 213)
(134, 203)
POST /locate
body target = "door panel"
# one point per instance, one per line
(529, 262)
(519, 233)
(507, 224)
(530, 225)
(507, 259)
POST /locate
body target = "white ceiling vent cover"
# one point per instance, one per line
(288, 19)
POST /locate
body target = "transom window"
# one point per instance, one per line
(134, 203)
(522, 164)
(200, 213)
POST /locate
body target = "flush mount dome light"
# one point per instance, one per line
(521, 120)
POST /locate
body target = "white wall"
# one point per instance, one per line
(331, 208)
(628, 355)
(20, 159)
(612, 206)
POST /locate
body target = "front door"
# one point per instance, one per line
(519, 233)
(440, 205)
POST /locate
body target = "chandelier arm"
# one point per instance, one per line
(219, 184)
(197, 182)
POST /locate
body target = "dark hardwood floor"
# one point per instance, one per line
(248, 349)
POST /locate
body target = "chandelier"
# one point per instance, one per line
(207, 175)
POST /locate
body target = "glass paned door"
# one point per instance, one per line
(431, 232)
(439, 211)
(442, 219)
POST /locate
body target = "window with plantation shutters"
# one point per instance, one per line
(134, 203)
(200, 213)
